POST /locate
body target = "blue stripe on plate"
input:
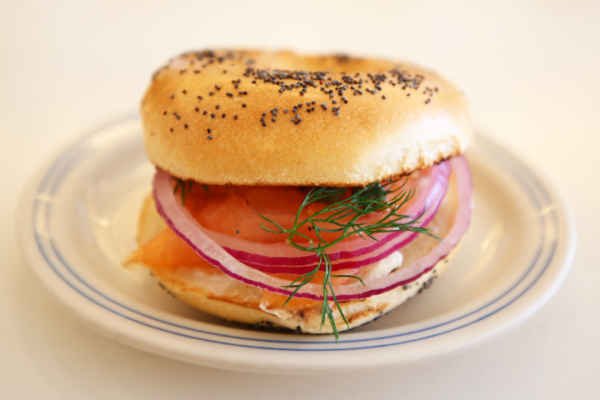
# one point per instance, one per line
(63, 165)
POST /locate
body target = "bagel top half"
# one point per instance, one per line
(248, 117)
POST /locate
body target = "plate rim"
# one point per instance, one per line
(561, 262)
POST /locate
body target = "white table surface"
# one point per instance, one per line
(531, 73)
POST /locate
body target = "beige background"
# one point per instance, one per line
(531, 73)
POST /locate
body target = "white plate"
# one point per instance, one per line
(77, 221)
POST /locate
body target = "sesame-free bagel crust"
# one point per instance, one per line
(249, 117)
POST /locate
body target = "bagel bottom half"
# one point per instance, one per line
(229, 299)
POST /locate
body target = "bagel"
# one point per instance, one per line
(252, 132)
(249, 117)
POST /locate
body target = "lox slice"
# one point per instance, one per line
(184, 225)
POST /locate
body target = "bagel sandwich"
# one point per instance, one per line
(305, 192)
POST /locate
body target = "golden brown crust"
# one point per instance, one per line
(357, 312)
(271, 118)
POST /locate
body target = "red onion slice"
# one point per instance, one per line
(186, 227)
(429, 192)
(390, 246)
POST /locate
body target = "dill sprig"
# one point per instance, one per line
(182, 187)
(342, 215)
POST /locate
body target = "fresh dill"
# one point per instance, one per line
(182, 187)
(341, 216)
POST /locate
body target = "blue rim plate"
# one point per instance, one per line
(77, 220)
